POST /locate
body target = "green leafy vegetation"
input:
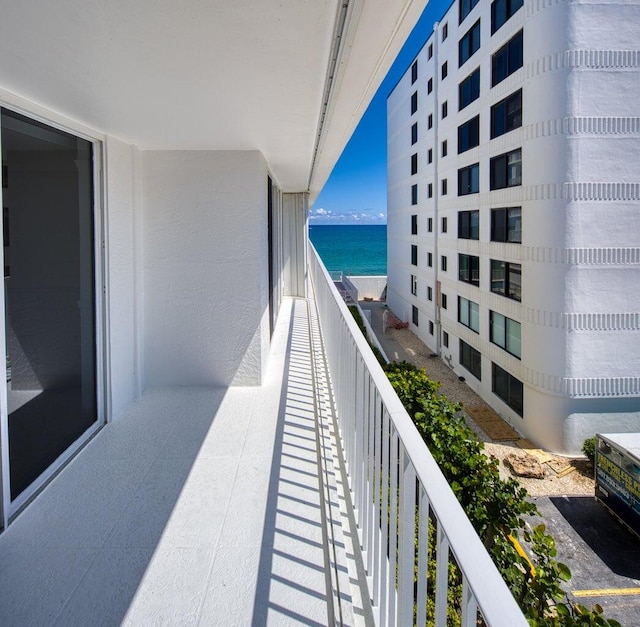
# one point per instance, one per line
(497, 508)
(589, 449)
(358, 318)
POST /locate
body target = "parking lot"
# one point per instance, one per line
(604, 557)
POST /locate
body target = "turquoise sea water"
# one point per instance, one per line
(354, 249)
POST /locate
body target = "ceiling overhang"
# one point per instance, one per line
(210, 74)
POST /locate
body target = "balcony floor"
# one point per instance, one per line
(197, 506)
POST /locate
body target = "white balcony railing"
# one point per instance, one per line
(398, 490)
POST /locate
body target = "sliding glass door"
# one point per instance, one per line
(49, 300)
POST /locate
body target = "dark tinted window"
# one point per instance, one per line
(471, 359)
(469, 89)
(507, 60)
(465, 8)
(469, 44)
(469, 180)
(506, 115)
(508, 388)
(469, 134)
(469, 225)
(501, 11)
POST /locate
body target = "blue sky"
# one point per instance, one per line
(356, 191)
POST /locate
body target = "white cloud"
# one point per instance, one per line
(362, 216)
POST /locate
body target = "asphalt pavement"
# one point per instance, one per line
(602, 554)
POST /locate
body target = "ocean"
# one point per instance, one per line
(355, 249)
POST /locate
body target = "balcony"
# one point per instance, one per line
(305, 500)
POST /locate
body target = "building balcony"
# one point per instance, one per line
(305, 500)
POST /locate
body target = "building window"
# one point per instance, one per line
(443, 301)
(501, 11)
(430, 260)
(469, 44)
(430, 327)
(430, 51)
(430, 190)
(414, 133)
(414, 284)
(445, 109)
(430, 155)
(506, 225)
(469, 180)
(429, 86)
(414, 255)
(469, 135)
(506, 115)
(507, 60)
(469, 269)
(429, 293)
(444, 70)
(506, 279)
(414, 72)
(444, 148)
(469, 224)
(414, 163)
(443, 263)
(505, 333)
(469, 314)
(444, 225)
(444, 187)
(465, 8)
(471, 359)
(508, 388)
(445, 32)
(414, 224)
(506, 170)
(414, 314)
(445, 339)
(469, 89)
(430, 121)
(429, 223)
(414, 102)
(414, 194)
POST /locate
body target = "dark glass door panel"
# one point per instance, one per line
(49, 293)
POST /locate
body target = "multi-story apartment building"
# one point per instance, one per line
(514, 210)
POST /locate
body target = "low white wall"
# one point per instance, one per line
(205, 268)
(369, 286)
(371, 336)
(579, 427)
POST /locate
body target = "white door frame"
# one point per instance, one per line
(11, 508)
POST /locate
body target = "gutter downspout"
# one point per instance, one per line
(436, 185)
(337, 48)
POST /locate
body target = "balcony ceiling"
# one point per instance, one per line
(207, 74)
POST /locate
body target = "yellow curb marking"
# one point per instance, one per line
(521, 552)
(606, 592)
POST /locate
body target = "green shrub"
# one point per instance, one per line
(589, 449)
(495, 507)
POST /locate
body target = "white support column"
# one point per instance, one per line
(295, 211)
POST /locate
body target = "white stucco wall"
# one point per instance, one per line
(369, 286)
(124, 256)
(205, 267)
